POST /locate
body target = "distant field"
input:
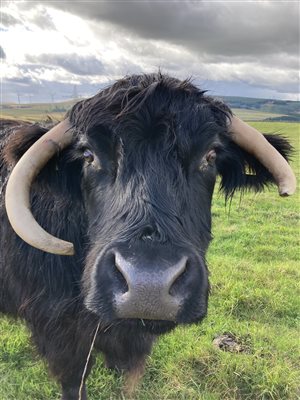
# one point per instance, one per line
(254, 265)
(56, 111)
(36, 112)
(254, 115)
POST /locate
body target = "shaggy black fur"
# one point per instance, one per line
(144, 186)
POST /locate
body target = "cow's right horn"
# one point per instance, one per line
(17, 196)
(255, 143)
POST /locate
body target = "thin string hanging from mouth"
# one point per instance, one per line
(87, 362)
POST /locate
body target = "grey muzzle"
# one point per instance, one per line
(148, 295)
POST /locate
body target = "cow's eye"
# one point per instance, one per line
(208, 160)
(88, 156)
(211, 157)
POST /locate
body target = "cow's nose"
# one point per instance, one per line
(148, 295)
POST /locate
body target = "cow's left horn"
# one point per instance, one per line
(17, 197)
(255, 143)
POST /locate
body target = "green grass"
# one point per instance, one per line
(254, 265)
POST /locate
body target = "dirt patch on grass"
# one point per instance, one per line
(232, 343)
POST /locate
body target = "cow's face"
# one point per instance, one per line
(148, 183)
(148, 150)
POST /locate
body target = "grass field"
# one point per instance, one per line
(254, 265)
(56, 111)
(36, 112)
(253, 115)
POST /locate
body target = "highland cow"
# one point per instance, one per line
(126, 179)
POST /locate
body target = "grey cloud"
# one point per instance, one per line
(123, 67)
(244, 45)
(221, 28)
(43, 90)
(278, 60)
(239, 88)
(43, 20)
(73, 63)
(20, 81)
(40, 18)
(2, 53)
(8, 20)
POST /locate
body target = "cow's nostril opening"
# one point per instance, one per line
(120, 278)
(179, 280)
(148, 233)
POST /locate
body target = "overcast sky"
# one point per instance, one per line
(53, 50)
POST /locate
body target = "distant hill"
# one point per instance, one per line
(249, 109)
(288, 110)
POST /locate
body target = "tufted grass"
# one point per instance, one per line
(254, 266)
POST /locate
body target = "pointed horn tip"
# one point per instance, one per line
(68, 249)
(286, 192)
(287, 186)
(60, 249)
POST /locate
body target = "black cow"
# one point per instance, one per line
(132, 191)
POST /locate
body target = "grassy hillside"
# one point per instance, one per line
(254, 265)
(255, 115)
(246, 108)
(36, 112)
(289, 109)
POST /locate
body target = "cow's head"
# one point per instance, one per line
(150, 148)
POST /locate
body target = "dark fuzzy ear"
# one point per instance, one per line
(19, 140)
(60, 175)
(240, 170)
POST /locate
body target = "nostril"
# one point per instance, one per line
(148, 233)
(118, 275)
(179, 280)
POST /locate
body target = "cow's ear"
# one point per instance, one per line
(22, 137)
(240, 170)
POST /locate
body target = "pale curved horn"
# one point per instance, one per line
(255, 143)
(17, 196)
